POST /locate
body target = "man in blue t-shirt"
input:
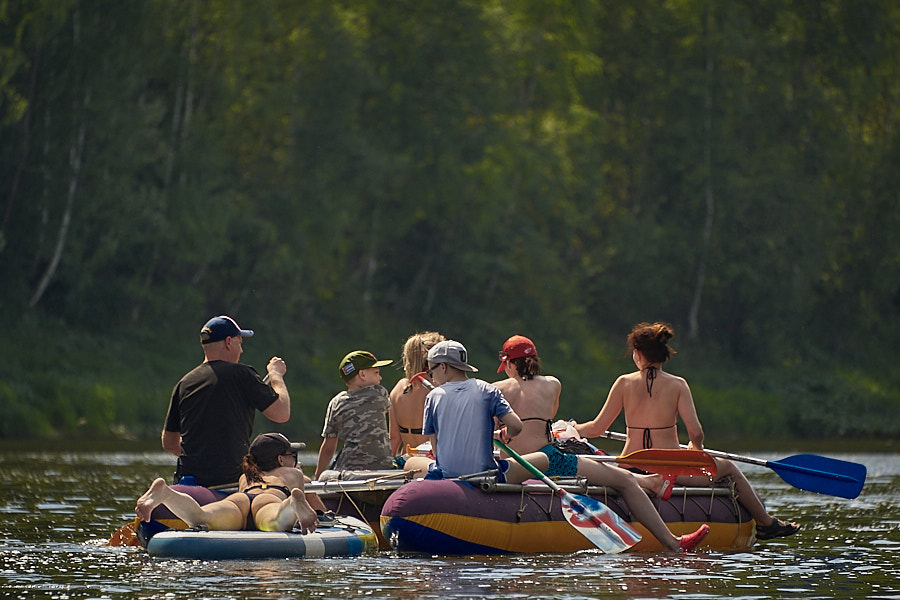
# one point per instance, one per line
(459, 415)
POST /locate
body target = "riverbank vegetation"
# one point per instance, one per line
(337, 175)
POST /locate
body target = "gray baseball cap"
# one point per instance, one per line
(451, 352)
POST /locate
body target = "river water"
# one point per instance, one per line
(58, 509)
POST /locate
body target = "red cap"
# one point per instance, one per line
(518, 346)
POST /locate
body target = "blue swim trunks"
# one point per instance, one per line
(561, 464)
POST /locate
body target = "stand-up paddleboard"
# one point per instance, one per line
(346, 536)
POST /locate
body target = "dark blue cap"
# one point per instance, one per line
(219, 328)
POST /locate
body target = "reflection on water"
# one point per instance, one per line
(57, 511)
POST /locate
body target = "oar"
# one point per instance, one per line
(667, 461)
(125, 535)
(809, 472)
(421, 377)
(591, 518)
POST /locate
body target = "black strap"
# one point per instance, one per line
(651, 376)
(549, 423)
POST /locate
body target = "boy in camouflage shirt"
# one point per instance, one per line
(358, 417)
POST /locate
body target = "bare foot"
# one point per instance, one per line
(151, 499)
(306, 516)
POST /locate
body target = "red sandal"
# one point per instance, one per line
(665, 490)
(689, 541)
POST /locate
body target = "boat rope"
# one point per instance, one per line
(530, 495)
(521, 506)
(346, 494)
(726, 482)
(736, 508)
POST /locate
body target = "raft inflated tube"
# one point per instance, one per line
(447, 517)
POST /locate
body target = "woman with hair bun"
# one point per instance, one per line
(652, 401)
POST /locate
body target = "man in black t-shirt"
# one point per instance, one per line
(211, 413)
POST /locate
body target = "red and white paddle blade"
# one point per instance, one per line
(598, 523)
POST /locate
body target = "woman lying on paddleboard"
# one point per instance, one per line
(270, 494)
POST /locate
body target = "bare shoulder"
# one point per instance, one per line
(680, 381)
(550, 382)
(506, 385)
(399, 389)
(288, 476)
(628, 378)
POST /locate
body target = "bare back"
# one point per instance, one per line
(289, 477)
(536, 401)
(651, 419)
(406, 415)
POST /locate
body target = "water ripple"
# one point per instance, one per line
(59, 510)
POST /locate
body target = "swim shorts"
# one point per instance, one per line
(561, 464)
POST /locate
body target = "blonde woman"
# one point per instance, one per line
(408, 398)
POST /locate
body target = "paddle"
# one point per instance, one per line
(809, 472)
(666, 461)
(126, 535)
(421, 377)
(591, 518)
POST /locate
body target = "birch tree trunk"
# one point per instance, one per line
(76, 152)
(694, 314)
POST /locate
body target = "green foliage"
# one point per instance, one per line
(340, 174)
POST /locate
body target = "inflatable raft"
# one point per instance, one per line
(453, 517)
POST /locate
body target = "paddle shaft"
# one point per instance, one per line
(776, 466)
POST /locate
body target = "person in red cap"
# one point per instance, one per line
(533, 396)
(212, 409)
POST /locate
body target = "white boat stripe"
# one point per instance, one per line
(315, 546)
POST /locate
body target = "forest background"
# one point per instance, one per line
(339, 174)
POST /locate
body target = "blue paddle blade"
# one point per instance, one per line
(598, 523)
(821, 474)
